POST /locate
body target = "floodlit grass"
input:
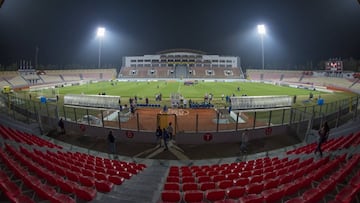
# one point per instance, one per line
(150, 89)
(196, 93)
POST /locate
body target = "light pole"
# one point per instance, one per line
(262, 31)
(100, 34)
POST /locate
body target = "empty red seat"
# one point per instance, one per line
(9, 188)
(215, 194)
(245, 174)
(103, 186)
(313, 195)
(296, 200)
(102, 176)
(193, 196)
(327, 185)
(85, 193)
(241, 181)
(117, 180)
(347, 194)
(256, 179)
(285, 178)
(202, 179)
(207, 186)
(272, 195)
(217, 178)
(189, 186)
(291, 188)
(235, 192)
(225, 184)
(188, 179)
(72, 176)
(272, 183)
(251, 198)
(170, 196)
(62, 198)
(171, 186)
(44, 191)
(232, 176)
(173, 179)
(254, 188)
(87, 181)
(270, 175)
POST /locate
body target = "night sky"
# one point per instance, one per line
(298, 32)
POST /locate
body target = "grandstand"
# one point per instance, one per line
(40, 165)
(17, 79)
(181, 63)
(35, 168)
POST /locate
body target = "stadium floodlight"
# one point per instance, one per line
(100, 34)
(262, 32)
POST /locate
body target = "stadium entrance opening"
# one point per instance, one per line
(163, 121)
(181, 71)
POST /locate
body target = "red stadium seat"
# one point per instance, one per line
(271, 183)
(171, 186)
(117, 180)
(193, 196)
(296, 200)
(225, 184)
(254, 188)
(84, 193)
(251, 198)
(207, 186)
(202, 179)
(189, 186)
(235, 192)
(272, 195)
(215, 195)
(65, 185)
(188, 179)
(173, 179)
(62, 198)
(87, 181)
(313, 195)
(103, 186)
(170, 196)
(241, 181)
(347, 194)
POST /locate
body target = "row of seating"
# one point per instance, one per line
(236, 170)
(250, 180)
(72, 174)
(12, 191)
(302, 178)
(95, 160)
(331, 145)
(44, 191)
(329, 184)
(22, 137)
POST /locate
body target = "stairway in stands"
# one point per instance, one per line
(144, 187)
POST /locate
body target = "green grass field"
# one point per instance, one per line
(194, 92)
(150, 89)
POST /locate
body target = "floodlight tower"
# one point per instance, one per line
(262, 32)
(100, 34)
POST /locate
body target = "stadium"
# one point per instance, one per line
(280, 110)
(203, 124)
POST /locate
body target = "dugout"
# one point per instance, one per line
(260, 102)
(95, 101)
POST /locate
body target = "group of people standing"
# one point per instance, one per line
(163, 135)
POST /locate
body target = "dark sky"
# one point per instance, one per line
(298, 32)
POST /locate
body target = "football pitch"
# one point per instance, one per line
(196, 91)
